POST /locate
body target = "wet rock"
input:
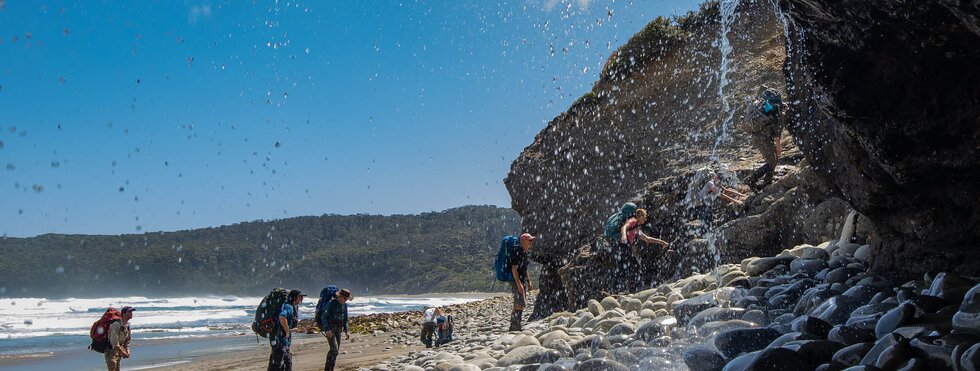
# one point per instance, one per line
(683, 310)
(595, 308)
(464, 367)
(779, 359)
(755, 316)
(880, 346)
(660, 341)
(970, 359)
(549, 356)
(735, 342)
(522, 355)
(867, 322)
(562, 346)
(894, 319)
(522, 340)
(815, 352)
(863, 253)
(895, 355)
(609, 303)
(621, 329)
(808, 267)
(721, 326)
(703, 359)
(914, 364)
(850, 336)
(789, 337)
(632, 305)
(840, 275)
(741, 362)
(656, 328)
(950, 287)
(763, 265)
(715, 314)
(853, 354)
(967, 318)
(811, 325)
(837, 309)
(585, 318)
(601, 364)
(928, 304)
(938, 355)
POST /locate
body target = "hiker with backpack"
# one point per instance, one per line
(429, 316)
(111, 336)
(335, 317)
(704, 188)
(521, 283)
(445, 328)
(630, 232)
(764, 119)
(281, 359)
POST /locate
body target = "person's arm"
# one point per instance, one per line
(622, 232)
(652, 240)
(517, 278)
(728, 198)
(284, 323)
(734, 193)
(346, 334)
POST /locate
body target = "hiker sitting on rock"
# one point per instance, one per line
(764, 119)
(631, 231)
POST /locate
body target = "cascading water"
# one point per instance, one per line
(727, 12)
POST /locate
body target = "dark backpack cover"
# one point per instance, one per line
(501, 266)
(327, 294)
(267, 313)
(100, 330)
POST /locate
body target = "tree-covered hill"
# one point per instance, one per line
(444, 251)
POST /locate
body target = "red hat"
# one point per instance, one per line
(527, 237)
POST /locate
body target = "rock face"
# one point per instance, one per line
(638, 136)
(889, 114)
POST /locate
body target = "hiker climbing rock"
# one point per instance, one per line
(704, 188)
(764, 119)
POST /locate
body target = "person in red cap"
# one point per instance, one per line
(522, 282)
(119, 338)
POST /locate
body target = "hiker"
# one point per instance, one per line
(119, 338)
(631, 231)
(336, 319)
(763, 120)
(522, 282)
(281, 359)
(445, 329)
(618, 254)
(428, 325)
(705, 187)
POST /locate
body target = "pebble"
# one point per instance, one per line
(735, 342)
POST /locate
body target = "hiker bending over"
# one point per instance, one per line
(764, 119)
(281, 359)
(336, 318)
(522, 282)
(428, 325)
(119, 338)
(631, 231)
(445, 325)
(705, 187)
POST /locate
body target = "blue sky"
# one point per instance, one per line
(135, 116)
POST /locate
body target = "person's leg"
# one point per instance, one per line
(275, 359)
(111, 360)
(287, 360)
(334, 344)
(515, 316)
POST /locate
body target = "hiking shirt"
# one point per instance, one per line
(429, 316)
(281, 339)
(336, 315)
(756, 122)
(119, 334)
(632, 230)
(520, 259)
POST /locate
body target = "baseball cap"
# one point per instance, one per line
(527, 236)
(127, 309)
(295, 293)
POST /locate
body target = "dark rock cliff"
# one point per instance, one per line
(651, 120)
(888, 99)
(884, 114)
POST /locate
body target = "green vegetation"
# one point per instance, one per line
(656, 38)
(444, 251)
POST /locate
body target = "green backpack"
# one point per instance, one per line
(616, 221)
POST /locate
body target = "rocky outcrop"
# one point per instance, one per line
(888, 99)
(651, 120)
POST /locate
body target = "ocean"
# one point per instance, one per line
(39, 327)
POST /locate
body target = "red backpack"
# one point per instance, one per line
(100, 330)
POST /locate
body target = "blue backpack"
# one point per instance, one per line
(615, 221)
(501, 266)
(327, 294)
